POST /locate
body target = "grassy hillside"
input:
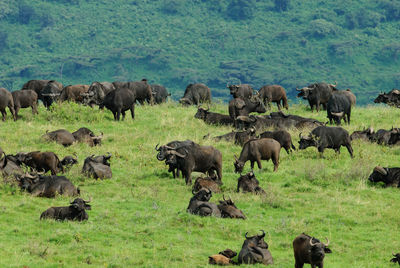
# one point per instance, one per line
(139, 218)
(176, 42)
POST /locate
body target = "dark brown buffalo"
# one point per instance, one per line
(239, 107)
(9, 165)
(50, 93)
(76, 211)
(396, 258)
(141, 90)
(249, 183)
(119, 101)
(256, 150)
(41, 161)
(160, 93)
(61, 136)
(255, 250)
(25, 99)
(392, 98)
(85, 135)
(68, 161)
(6, 100)
(196, 94)
(229, 210)
(388, 176)
(310, 250)
(317, 94)
(273, 93)
(199, 204)
(47, 186)
(35, 85)
(212, 183)
(96, 93)
(365, 134)
(213, 118)
(97, 167)
(338, 107)
(244, 91)
(349, 94)
(74, 93)
(386, 137)
(281, 136)
(222, 258)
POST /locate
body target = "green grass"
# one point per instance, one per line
(139, 217)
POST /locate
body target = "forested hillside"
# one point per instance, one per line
(176, 42)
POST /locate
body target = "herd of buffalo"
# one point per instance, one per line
(252, 132)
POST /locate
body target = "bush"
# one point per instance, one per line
(321, 28)
(3, 40)
(392, 9)
(282, 5)
(363, 19)
(240, 9)
(173, 7)
(25, 13)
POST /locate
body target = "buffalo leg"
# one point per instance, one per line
(34, 108)
(4, 114)
(11, 108)
(115, 116)
(16, 110)
(252, 165)
(118, 114)
(259, 164)
(321, 151)
(278, 103)
(298, 265)
(133, 111)
(123, 115)
(350, 149)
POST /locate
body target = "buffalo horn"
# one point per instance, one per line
(338, 114)
(176, 153)
(90, 199)
(235, 157)
(193, 192)
(298, 89)
(381, 170)
(311, 243)
(245, 235)
(327, 240)
(223, 196)
(263, 233)
(156, 148)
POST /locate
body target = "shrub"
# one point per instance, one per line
(320, 28)
(282, 5)
(363, 19)
(3, 40)
(25, 13)
(392, 9)
(240, 9)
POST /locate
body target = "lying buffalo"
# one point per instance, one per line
(281, 136)
(317, 94)
(97, 167)
(41, 161)
(68, 161)
(365, 134)
(273, 93)
(392, 98)
(386, 137)
(256, 150)
(327, 137)
(9, 165)
(140, 89)
(222, 258)
(339, 106)
(229, 210)
(396, 258)
(199, 204)
(389, 176)
(96, 93)
(160, 93)
(213, 118)
(310, 250)
(47, 186)
(119, 101)
(73, 93)
(239, 137)
(249, 183)
(25, 99)
(243, 91)
(85, 135)
(212, 183)
(6, 100)
(255, 250)
(239, 107)
(66, 138)
(76, 211)
(196, 94)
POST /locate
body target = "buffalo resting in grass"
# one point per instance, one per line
(249, 183)
(97, 167)
(25, 99)
(386, 137)
(213, 118)
(310, 250)
(6, 100)
(229, 210)
(222, 258)
(76, 211)
(212, 183)
(41, 161)
(392, 98)
(317, 94)
(239, 137)
(255, 250)
(199, 204)
(196, 94)
(273, 93)
(388, 176)
(66, 138)
(365, 134)
(9, 165)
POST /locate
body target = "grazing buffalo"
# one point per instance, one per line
(74, 93)
(255, 250)
(392, 98)
(222, 258)
(210, 183)
(47, 186)
(96, 93)
(25, 99)
(160, 93)
(76, 211)
(199, 204)
(85, 135)
(310, 250)
(317, 94)
(244, 91)
(50, 93)
(140, 89)
(389, 176)
(365, 134)
(396, 258)
(327, 137)
(281, 136)
(249, 183)
(119, 101)
(229, 210)
(256, 150)
(339, 107)
(35, 85)
(41, 161)
(97, 167)
(240, 107)
(196, 94)
(213, 118)
(273, 93)
(6, 100)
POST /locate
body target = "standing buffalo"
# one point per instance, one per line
(97, 92)
(229, 210)
(51, 93)
(25, 99)
(199, 204)
(255, 250)
(349, 94)
(160, 93)
(76, 211)
(281, 136)
(6, 100)
(339, 107)
(310, 250)
(316, 94)
(389, 176)
(119, 101)
(392, 98)
(244, 91)
(213, 118)
(196, 94)
(97, 167)
(240, 107)
(249, 183)
(141, 90)
(256, 150)
(74, 93)
(41, 161)
(273, 93)
(35, 85)
(327, 137)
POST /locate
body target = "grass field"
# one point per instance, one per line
(139, 217)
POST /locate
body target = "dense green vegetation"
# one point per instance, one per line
(139, 218)
(176, 42)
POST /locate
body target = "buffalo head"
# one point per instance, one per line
(80, 204)
(318, 249)
(306, 141)
(201, 113)
(185, 101)
(379, 174)
(203, 195)
(238, 165)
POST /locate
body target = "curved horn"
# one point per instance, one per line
(311, 243)
(90, 199)
(381, 170)
(338, 114)
(235, 157)
(193, 192)
(245, 235)
(223, 196)
(327, 240)
(263, 233)
(298, 89)
(300, 135)
(157, 148)
(177, 154)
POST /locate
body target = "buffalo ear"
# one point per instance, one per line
(327, 250)
(88, 207)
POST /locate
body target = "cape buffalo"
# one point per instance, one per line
(386, 137)
(229, 210)
(160, 93)
(61, 136)
(222, 258)
(249, 183)
(240, 107)
(339, 107)
(255, 250)
(97, 167)
(35, 85)
(199, 204)
(389, 176)
(25, 99)
(392, 98)
(256, 150)
(87, 136)
(47, 186)
(365, 134)
(273, 93)
(141, 90)
(41, 161)
(119, 101)
(210, 183)
(6, 100)
(281, 136)
(73, 93)
(396, 258)
(213, 118)
(327, 137)
(316, 94)
(96, 93)
(76, 211)
(244, 91)
(310, 250)
(68, 161)
(239, 137)
(9, 165)
(196, 94)
(51, 93)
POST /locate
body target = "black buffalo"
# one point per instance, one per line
(66, 138)
(281, 136)
(35, 85)
(240, 107)
(249, 183)
(396, 258)
(273, 93)
(85, 135)
(317, 94)
(97, 167)
(238, 137)
(196, 94)
(141, 90)
(119, 101)
(310, 250)
(243, 91)
(160, 93)
(50, 93)
(339, 107)
(255, 250)
(6, 100)
(213, 118)
(389, 176)
(199, 204)
(365, 134)
(327, 137)
(392, 98)
(386, 137)
(25, 99)
(97, 92)
(76, 211)
(9, 165)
